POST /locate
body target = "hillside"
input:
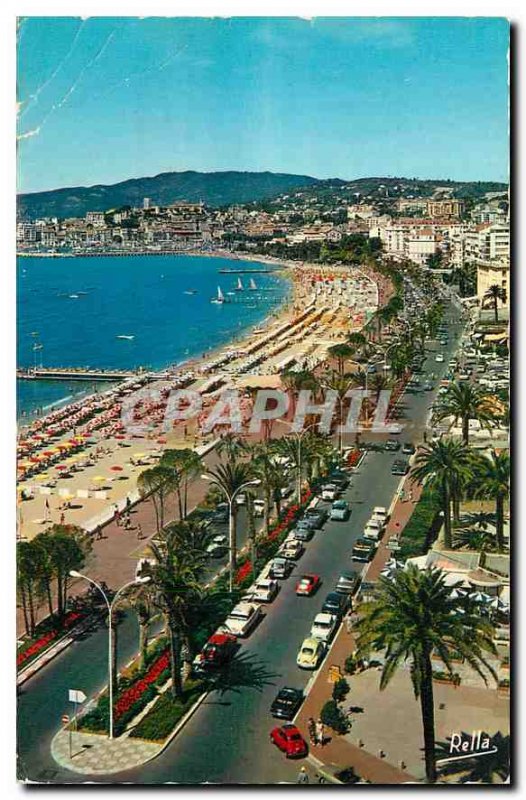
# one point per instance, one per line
(213, 188)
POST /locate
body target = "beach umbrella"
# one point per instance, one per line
(480, 597)
(499, 604)
(98, 478)
(139, 455)
(61, 466)
(42, 477)
(49, 453)
(34, 459)
(116, 468)
(120, 436)
(161, 441)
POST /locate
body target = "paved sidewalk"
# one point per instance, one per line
(339, 753)
(94, 754)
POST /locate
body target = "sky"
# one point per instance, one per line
(103, 99)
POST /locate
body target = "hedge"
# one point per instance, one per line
(422, 528)
(160, 721)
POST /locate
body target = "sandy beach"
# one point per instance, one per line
(80, 462)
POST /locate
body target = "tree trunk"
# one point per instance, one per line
(114, 670)
(185, 501)
(31, 607)
(266, 512)
(65, 597)
(447, 520)
(23, 599)
(49, 597)
(143, 643)
(175, 661)
(60, 595)
(499, 520)
(428, 719)
(456, 507)
(465, 430)
(180, 504)
(156, 509)
(232, 543)
(496, 308)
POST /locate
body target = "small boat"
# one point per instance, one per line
(252, 285)
(125, 336)
(190, 291)
(73, 296)
(220, 299)
(38, 346)
(239, 287)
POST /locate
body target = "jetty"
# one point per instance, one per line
(262, 271)
(77, 374)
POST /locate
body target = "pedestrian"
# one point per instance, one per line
(127, 521)
(48, 514)
(128, 504)
(311, 727)
(320, 733)
(139, 531)
(410, 495)
(117, 515)
(98, 532)
(302, 776)
(62, 518)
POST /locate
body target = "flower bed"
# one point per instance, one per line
(135, 693)
(33, 648)
(354, 457)
(162, 718)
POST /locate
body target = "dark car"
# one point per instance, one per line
(400, 467)
(348, 582)
(428, 386)
(217, 652)
(220, 514)
(408, 448)
(317, 515)
(306, 523)
(336, 604)
(392, 445)
(286, 703)
(303, 534)
(363, 550)
(339, 478)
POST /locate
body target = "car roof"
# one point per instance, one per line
(323, 616)
(220, 638)
(310, 641)
(243, 608)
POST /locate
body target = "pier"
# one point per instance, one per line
(77, 374)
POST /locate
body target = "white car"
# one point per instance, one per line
(324, 627)
(292, 548)
(329, 491)
(259, 508)
(373, 530)
(310, 653)
(439, 357)
(380, 513)
(243, 618)
(263, 591)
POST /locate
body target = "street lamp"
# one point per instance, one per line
(110, 605)
(230, 500)
(299, 438)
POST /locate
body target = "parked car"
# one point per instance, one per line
(400, 467)
(217, 652)
(259, 508)
(292, 548)
(243, 618)
(306, 522)
(218, 547)
(324, 626)
(290, 741)
(392, 445)
(408, 448)
(280, 568)
(363, 550)
(287, 703)
(303, 534)
(329, 491)
(221, 513)
(336, 604)
(310, 653)
(428, 386)
(348, 582)
(340, 510)
(307, 585)
(339, 477)
(286, 491)
(263, 591)
(380, 512)
(318, 515)
(439, 358)
(373, 530)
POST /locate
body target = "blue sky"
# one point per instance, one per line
(105, 99)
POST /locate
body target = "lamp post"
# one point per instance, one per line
(230, 500)
(299, 438)
(110, 605)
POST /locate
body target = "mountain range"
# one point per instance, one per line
(225, 188)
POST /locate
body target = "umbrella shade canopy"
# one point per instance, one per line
(480, 597)
(61, 466)
(120, 436)
(42, 477)
(499, 604)
(116, 468)
(139, 455)
(49, 453)
(68, 496)
(99, 478)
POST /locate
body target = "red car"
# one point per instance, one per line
(218, 650)
(307, 585)
(289, 740)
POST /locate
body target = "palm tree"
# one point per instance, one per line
(356, 339)
(140, 599)
(66, 548)
(492, 297)
(296, 381)
(412, 618)
(443, 465)
(175, 582)
(492, 479)
(156, 484)
(232, 446)
(264, 469)
(465, 401)
(341, 352)
(184, 466)
(27, 563)
(341, 383)
(230, 478)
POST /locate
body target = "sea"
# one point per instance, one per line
(71, 311)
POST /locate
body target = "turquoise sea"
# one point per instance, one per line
(70, 312)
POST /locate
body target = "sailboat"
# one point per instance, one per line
(220, 299)
(252, 284)
(239, 287)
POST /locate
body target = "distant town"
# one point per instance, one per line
(466, 238)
